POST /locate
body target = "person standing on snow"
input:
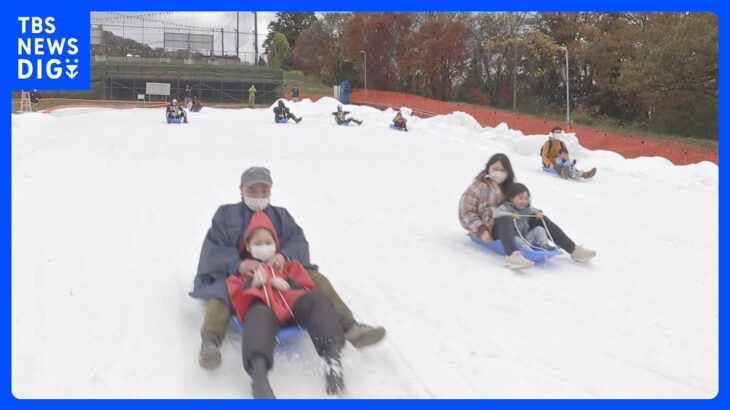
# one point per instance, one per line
(187, 97)
(222, 255)
(551, 150)
(252, 95)
(35, 99)
(270, 297)
(476, 214)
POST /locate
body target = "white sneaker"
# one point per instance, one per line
(581, 254)
(517, 261)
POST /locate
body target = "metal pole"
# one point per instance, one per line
(567, 88)
(237, 54)
(567, 85)
(255, 39)
(365, 69)
(223, 50)
(514, 81)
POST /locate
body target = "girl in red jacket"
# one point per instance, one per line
(270, 298)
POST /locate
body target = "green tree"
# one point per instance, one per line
(290, 24)
(279, 51)
(675, 72)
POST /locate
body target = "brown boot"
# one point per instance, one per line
(589, 174)
(564, 173)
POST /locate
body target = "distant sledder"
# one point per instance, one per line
(555, 159)
(399, 122)
(341, 117)
(175, 113)
(197, 105)
(282, 114)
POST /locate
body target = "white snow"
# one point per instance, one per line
(110, 208)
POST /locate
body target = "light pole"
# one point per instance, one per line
(567, 85)
(366, 68)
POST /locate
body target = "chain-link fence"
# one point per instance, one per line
(192, 35)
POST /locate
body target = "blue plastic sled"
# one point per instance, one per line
(531, 254)
(282, 120)
(550, 170)
(175, 121)
(285, 333)
(393, 127)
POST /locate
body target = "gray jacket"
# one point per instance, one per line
(508, 208)
(220, 255)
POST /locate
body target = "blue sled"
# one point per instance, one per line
(285, 333)
(393, 127)
(549, 170)
(282, 120)
(175, 121)
(531, 254)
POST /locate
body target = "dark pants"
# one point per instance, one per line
(505, 230)
(313, 311)
(217, 313)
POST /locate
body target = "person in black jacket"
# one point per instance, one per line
(281, 112)
(35, 98)
(197, 105)
(341, 117)
(187, 96)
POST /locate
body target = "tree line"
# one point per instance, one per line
(656, 70)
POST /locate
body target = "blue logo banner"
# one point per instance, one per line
(51, 50)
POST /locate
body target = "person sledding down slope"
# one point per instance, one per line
(197, 105)
(281, 112)
(222, 255)
(341, 117)
(477, 214)
(400, 122)
(550, 151)
(271, 297)
(528, 220)
(174, 111)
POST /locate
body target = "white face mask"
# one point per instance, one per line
(263, 252)
(256, 204)
(498, 176)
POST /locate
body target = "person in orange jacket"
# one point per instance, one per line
(551, 150)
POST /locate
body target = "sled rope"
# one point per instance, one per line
(550, 236)
(285, 303)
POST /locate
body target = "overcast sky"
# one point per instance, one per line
(149, 27)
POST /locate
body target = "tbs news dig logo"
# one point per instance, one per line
(43, 56)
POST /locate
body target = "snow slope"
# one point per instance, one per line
(110, 208)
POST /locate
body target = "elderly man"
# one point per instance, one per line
(222, 254)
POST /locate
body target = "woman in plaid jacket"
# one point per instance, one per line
(476, 214)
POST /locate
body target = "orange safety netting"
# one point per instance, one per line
(629, 146)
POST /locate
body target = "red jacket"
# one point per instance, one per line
(242, 293)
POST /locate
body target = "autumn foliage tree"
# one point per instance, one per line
(382, 37)
(656, 70)
(436, 57)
